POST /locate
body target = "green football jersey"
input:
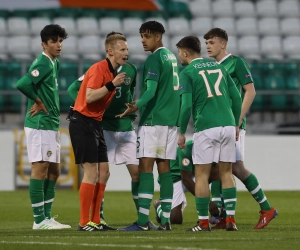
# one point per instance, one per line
(163, 109)
(208, 82)
(43, 72)
(240, 73)
(183, 161)
(124, 94)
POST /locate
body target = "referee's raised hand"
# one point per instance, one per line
(119, 79)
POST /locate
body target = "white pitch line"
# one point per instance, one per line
(102, 245)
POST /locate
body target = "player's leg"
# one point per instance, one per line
(135, 180)
(216, 194)
(227, 156)
(251, 183)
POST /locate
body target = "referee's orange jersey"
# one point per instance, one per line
(96, 77)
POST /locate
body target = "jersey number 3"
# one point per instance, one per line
(216, 84)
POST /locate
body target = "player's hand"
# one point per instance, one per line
(70, 112)
(37, 107)
(237, 133)
(119, 79)
(181, 141)
(131, 108)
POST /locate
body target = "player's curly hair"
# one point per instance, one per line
(216, 32)
(190, 42)
(152, 27)
(52, 32)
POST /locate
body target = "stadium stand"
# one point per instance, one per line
(264, 32)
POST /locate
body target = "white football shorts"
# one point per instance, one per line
(240, 146)
(121, 147)
(43, 145)
(157, 142)
(179, 195)
(214, 145)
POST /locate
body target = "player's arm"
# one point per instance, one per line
(187, 180)
(243, 74)
(93, 95)
(74, 88)
(148, 94)
(236, 100)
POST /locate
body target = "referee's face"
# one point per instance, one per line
(120, 52)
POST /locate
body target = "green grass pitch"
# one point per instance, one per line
(16, 222)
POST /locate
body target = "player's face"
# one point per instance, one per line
(53, 48)
(120, 52)
(214, 46)
(182, 56)
(150, 41)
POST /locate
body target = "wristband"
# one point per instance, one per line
(110, 86)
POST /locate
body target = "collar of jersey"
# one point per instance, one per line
(198, 58)
(48, 57)
(111, 68)
(224, 58)
(159, 49)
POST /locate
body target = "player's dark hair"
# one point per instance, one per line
(191, 43)
(113, 33)
(52, 32)
(216, 32)
(152, 27)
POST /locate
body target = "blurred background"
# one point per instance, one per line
(265, 32)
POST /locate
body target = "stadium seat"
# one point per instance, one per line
(37, 24)
(274, 76)
(200, 8)
(246, 26)
(226, 23)
(35, 46)
(86, 66)
(109, 24)
(114, 13)
(258, 103)
(292, 76)
(178, 9)
(70, 49)
(290, 27)
(3, 48)
(45, 13)
(244, 9)
(271, 47)
(222, 8)
(203, 48)
(172, 46)
(19, 47)
(135, 14)
(68, 23)
(201, 25)
(18, 26)
(131, 26)
(13, 74)
(70, 13)
(91, 13)
(21, 13)
(89, 48)
(157, 14)
(136, 50)
(3, 27)
(288, 8)
(291, 47)
(4, 13)
(266, 8)
(232, 45)
(269, 26)
(249, 47)
(87, 26)
(178, 26)
(166, 41)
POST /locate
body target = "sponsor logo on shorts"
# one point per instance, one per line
(185, 162)
(35, 73)
(127, 80)
(49, 153)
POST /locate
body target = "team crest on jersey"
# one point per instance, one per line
(35, 73)
(81, 78)
(49, 153)
(185, 162)
(127, 80)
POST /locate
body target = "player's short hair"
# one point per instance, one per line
(191, 43)
(52, 32)
(112, 38)
(216, 32)
(152, 27)
(113, 33)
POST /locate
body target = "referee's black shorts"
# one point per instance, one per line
(87, 139)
